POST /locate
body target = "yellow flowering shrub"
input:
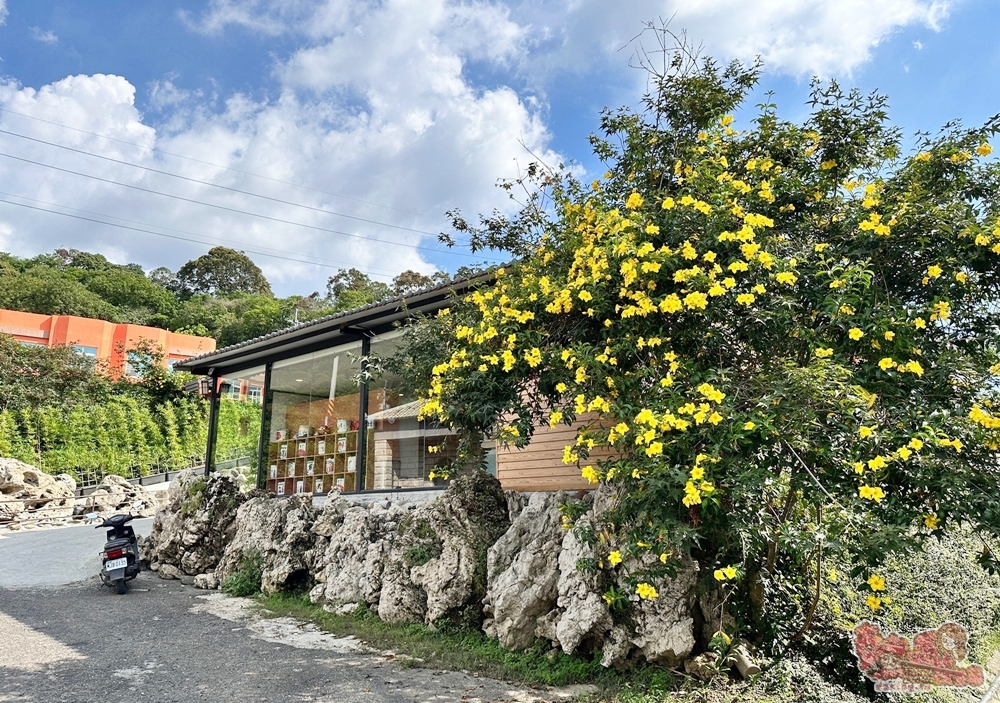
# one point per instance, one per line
(817, 385)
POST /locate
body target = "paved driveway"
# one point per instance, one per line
(79, 642)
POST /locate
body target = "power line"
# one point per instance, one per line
(216, 185)
(234, 210)
(208, 238)
(209, 163)
(158, 234)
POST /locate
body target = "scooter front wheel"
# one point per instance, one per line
(120, 587)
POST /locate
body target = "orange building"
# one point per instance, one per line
(100, 340)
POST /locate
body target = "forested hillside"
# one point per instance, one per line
(221, 294)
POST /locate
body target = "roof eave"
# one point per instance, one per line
(348, 326)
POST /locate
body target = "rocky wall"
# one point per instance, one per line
(475, 556)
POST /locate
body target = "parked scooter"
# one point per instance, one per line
(120, 558)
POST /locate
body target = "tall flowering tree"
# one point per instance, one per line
(785, 334)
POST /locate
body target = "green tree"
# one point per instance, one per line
(783, 338)
(351, 288)
(222, 271)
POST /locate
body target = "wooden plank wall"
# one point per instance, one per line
(539, 467)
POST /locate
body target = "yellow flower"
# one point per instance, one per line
(915, 444)
(876, 463)
(634, 201)
(855, 334)
(664, 557)
(923, 156)
(561, 387)
(615, 558)
(984, 149)
(873, 602)
(820, 247)
(750, 425)
(719, 576)
(786, 278)
(934, 271)
(823, 353)
(876, 582)
(697, 473)
(644, 590)
(919, 323)
(961, 277)
(668, 204)
(589, 473)
(555, 418)
(696, 300)
(886, 363)
(889, 335)
(931, 521)
(866, 431)
(745, 298)
(871, 493)
(827, 165)
(904, 453)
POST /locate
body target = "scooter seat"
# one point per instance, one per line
(120, 543)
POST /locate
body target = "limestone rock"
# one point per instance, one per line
(191, 531)
(436, 566)
(207, 582)
(585, 615)
(664, 626)
(168, 571)
(353, 556)
(279, 530)
(116, 495)
(30, 489)
(702, 666)
(522, 571)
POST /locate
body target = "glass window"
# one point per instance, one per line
(314, 419)
(238, 423)
(89, 352)
(403, 450)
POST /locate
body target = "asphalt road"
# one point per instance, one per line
(54, 556)
(80, 642)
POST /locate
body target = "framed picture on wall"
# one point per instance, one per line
(321, 446)
(302, 449)
(318, 486)
(281, 488)
(340, 483)
(299, 486)
(280, 435)
(273, 471)
(291, 468)
(330, 463)
(352, 464)
(310, 465)
(283, 451)
(341, 444)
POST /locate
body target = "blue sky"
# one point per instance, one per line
(389, 112)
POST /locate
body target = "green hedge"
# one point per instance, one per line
(124, 434)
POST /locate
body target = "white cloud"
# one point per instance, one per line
(797, 37)
(375, 107)
(45, 37)
(3, 11)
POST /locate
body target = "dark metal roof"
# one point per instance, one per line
(333, 329)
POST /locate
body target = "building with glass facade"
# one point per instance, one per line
(324, 429)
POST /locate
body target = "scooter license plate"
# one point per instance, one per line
(112, 564)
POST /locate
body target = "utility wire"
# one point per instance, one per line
(235, 210)
(216, 185)
(158, 234)
(209, 163)
(207, 237)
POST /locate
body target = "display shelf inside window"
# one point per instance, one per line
(314, 463)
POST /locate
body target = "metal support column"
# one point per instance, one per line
(366, 349)
(213, 421)
(265, 427)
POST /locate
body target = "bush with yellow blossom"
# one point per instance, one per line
(786, 334)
